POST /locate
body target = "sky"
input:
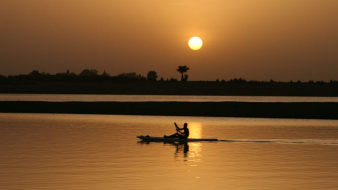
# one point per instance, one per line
(281, 40)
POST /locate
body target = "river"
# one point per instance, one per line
(79, 152)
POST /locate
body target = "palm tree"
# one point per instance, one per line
(182, 69)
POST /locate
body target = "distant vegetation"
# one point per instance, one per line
(87, 75)
(92, 75)
(90, 81)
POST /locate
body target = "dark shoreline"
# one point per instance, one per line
(204, 88)
(300, 110)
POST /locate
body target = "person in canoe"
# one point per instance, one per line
(179, 134)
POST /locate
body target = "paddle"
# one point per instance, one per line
(177, 128)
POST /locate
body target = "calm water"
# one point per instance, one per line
(56, 151)
(147, 98)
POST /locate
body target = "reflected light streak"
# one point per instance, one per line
(195, 130)
(195, 149)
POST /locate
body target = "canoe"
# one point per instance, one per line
(162, 139)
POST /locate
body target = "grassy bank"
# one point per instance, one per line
(215, 109)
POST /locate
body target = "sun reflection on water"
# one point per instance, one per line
(195, 130)
(195, 148)
(191, 152)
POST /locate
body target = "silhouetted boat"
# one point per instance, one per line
(162, 139)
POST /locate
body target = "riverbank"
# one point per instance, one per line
(303, 110)
(207, 88)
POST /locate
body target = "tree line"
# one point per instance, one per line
(92, 75)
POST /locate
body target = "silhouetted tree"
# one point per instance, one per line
(105, 74)
(131, 76)
(185, 78)
(72, 74)
(241, 80)
(182, 69)
(87, 72)
(173, 80)
(152, 76)
(34, 73)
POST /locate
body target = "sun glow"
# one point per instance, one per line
(195, 43)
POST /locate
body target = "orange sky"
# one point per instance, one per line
(256, 40)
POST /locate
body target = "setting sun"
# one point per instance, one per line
(195, 43)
